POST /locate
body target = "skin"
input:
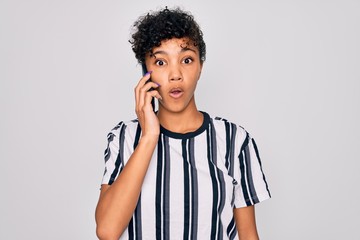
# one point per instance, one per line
(175, 65)
(175, 68)
(245, 223)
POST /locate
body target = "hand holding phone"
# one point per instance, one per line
(144, 70)
(145, 92)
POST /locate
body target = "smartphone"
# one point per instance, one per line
(144, 71)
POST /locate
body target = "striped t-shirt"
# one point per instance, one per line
(193, 182)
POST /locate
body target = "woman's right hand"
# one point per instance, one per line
(112, 218)
(148, 120)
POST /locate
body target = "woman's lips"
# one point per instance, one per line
(176, 93)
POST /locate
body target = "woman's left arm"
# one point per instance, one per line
(245, 223)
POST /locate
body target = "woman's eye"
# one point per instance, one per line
(187, 60)
(159, 62)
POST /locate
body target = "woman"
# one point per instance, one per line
(177, 173)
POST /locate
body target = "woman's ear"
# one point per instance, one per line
(201, 66)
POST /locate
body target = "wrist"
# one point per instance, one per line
(149, 139)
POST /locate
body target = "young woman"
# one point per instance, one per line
(177, 173)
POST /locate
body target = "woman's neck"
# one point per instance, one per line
(188, 120)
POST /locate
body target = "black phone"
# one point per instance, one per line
(144, 70)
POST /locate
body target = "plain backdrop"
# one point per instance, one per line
(287, 71)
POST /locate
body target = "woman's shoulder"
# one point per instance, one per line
(122, 126)
(231, 131)
(227, 124)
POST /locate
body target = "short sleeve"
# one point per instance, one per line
(113, 155)
(251, 186)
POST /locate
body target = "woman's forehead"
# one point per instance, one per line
(176, 44)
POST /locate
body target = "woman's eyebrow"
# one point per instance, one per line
(165, 53)
(159, 52)
(187, 49)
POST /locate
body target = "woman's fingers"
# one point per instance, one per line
(144, 92)
(147, 90)
(149, 96)
(140, 84)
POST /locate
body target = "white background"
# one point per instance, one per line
(288, 71)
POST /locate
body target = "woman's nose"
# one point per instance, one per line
(175, 74)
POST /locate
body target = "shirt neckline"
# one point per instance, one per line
(187, 135)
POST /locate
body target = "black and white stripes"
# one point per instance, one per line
(134, 227)
(246, 159)
(162, 203)
(119, 163)
(230, 129)
(190, 190)
(218, 184)
(193, 182)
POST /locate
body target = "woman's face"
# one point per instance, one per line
(176, 66)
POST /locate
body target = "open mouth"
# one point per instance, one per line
(176, 92)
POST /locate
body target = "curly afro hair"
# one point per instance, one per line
(151, 29)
